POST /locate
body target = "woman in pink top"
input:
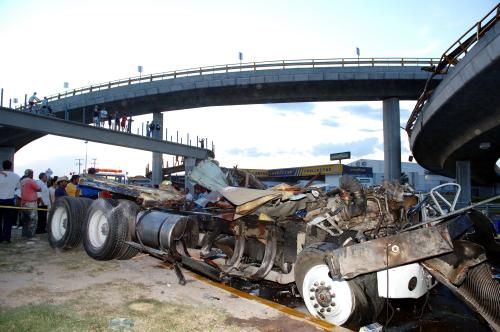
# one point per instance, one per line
(29, 199)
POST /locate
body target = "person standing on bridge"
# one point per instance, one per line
(45, 106)
(117, 121)
(29, 200)
(152, 127)
(33, 101)
(104, 116)
(158, 131)
(9, 182)
(96, 116)
(123, 123)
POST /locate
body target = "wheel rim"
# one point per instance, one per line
(325, 298)
(59, 224)
(98, 229)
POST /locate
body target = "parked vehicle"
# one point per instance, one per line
(345, 251)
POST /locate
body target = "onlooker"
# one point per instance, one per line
(104, 116)
(45, 106)
(95, 115)
(158, 131)
(43, 203)
(129, 127)
(52, 190)
(33, 100)
(9, 182)
(87, 191)
(72, 187)
(111, 116)
(61, 183)
(202, 143)
(123, 123)
(117, 120)
(152, 127)
(29, 199)
(147, 128)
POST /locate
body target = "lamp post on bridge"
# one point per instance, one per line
(139, 69)
(86, 145)
(357, 52)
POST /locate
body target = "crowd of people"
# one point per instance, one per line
(115, 120)
(24, 201)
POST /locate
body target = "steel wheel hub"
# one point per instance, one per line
(326, 298)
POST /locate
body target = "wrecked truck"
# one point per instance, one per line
(345, 251)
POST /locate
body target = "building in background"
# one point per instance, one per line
(418, 177)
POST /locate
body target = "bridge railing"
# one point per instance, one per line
(251, 66)
(452, 56)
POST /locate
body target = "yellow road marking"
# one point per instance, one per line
(21, 208)
(282, 308)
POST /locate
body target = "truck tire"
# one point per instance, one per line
(351, 303)
(106, 230)
(128, 211)
(65, 222)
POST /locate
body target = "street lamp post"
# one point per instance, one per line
(86, 145)
(139, 69)
(357, 52)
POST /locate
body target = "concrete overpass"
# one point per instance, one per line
(457, 131)
(19, 128)
(388, 80)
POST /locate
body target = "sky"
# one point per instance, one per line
(47, 43)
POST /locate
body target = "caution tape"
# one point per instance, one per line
(21, 208)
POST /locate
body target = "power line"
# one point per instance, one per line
(79, 163)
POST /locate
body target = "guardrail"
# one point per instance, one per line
(452, 56)
(251, 66)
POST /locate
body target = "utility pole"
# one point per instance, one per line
(94, 162)
(79, 163)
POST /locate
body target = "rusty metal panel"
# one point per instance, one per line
(391, 251)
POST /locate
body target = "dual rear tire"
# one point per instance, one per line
(65, 222)
(102, 225)
(106, 229)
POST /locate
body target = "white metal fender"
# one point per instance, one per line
(406, 281)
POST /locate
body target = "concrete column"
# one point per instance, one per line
(6, 153)
(392, 140)
(157, 164)
(462, 175)
(189, 164)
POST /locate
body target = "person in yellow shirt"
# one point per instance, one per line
(72, 187)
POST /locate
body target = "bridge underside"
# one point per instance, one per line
(269, 93)
(463, 114)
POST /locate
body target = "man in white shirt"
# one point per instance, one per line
(9, 182)
(43, 203)
(33, 100)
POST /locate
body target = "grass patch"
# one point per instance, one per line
(47, 318)
(149, 315)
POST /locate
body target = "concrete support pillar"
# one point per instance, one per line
(157, 164)
(189, 164)
(6, 153)
(462, 175)
(392, 140)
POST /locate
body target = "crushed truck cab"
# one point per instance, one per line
(340, 249)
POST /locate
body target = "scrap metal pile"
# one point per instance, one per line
(370, 213)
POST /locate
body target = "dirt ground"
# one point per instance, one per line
(45, 290)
